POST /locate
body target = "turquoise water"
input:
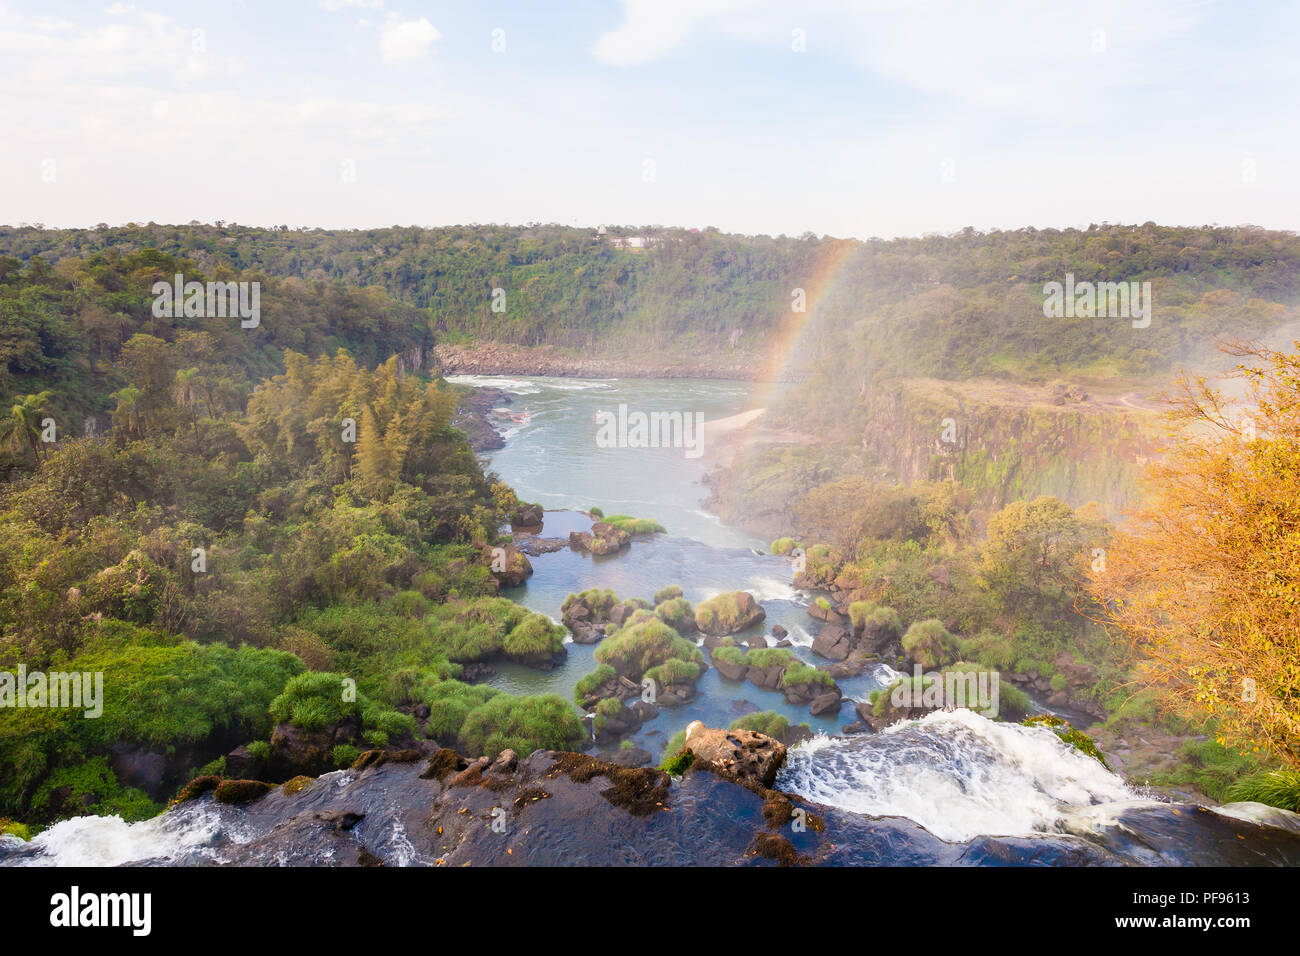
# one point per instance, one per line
(553, 458)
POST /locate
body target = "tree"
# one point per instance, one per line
(1205, 583)
(23, 426)
(188, 386)
(1034, 550)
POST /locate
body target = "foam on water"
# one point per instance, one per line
(770, 589)
(514, 386)
(957, 774)
(111, 841)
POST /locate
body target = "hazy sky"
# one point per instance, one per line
(868, 118)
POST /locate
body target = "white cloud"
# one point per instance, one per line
(654, 28)
(402, 40)
(1021, 56)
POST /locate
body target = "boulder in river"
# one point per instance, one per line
(745, 756)
(602, 539)
(508, 564)
(527, 516)
(728, 613)
(833, 642)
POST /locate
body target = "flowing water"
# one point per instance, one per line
(984, 791)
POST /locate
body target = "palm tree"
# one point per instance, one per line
(187, 392)
(128, 412)
(22, 427)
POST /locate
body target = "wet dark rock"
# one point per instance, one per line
(240, 763)
(527, 516)
(631, 757)
(827, 703)
(645, 710)
(472, 417)
(533, 545)
(833, 642)
(779, 632)
(296, 751)
(141, 768)
(575, 810)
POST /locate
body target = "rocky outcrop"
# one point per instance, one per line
(833, 642)
(508, 565)
(527, 516)
(602, 539)
(745, 756)
(728, 613)
(473, 417)
(295, 751)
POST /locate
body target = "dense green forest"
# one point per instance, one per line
(955, 306)
(204, 532)
(248, 524)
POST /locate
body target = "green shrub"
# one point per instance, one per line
(674, 611)
(589, 682)
(721, 614)
(673, 671)
(800, 673)
(783, 546)
(667, 594)
(259, 749)
(1075, 738)
(90, 788)
(13, 828)
(522, 724)
(764, 722)
(765, 657)
(858, 612)
(534, 637)
(313, 701)
(1277, 788)
(930, 644)
(450, 702)
(344, 755)
(635, 525)
(635, 648)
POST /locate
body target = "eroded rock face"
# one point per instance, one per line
(745, 756)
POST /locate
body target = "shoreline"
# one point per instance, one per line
(490, 358)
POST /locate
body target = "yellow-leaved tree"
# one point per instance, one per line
(1204, 580)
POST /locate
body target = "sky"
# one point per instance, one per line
(864, 118)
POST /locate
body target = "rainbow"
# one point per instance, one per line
(781, 352)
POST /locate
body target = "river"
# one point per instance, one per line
(984, 792)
